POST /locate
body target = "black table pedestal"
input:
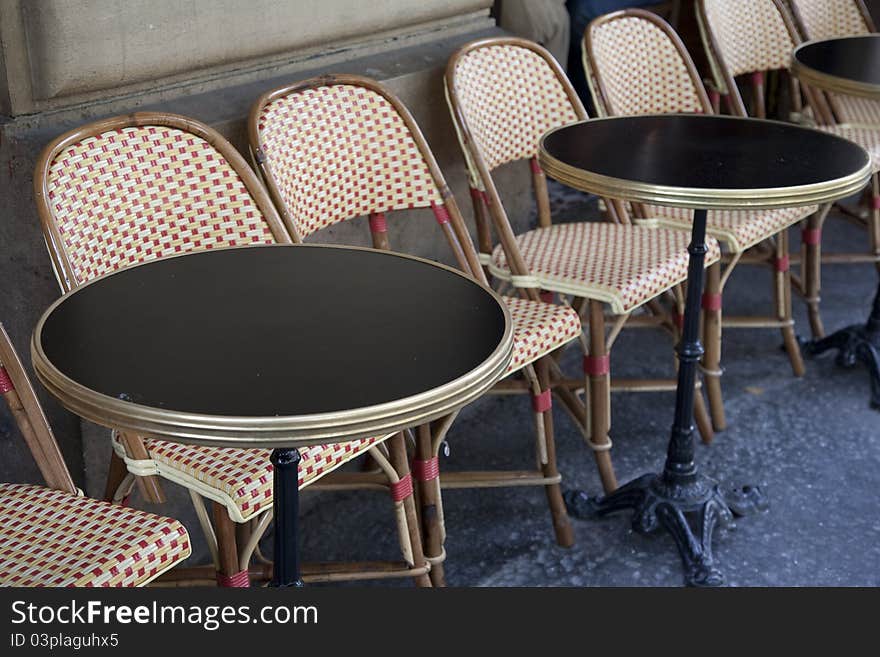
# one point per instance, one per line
(668, 499)
(859, 343)
(285, 464)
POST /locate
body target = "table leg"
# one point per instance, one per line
(669, 498)
(285, 464)
(859, 343)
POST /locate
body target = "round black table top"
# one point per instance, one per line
(704, 161)
(273, 346)
(847, 65)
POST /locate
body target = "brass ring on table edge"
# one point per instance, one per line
(279, 431)
(832, 83)
(704, 199)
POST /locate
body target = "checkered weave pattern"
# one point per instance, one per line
(737, 229)
(52, 538)
(342, 151)
(824, 19)
(641, 70)
(624, 266)
(851, 109)
(511, 97)
(538, 329)
(241, 479)
(750, 34)
(865, 136)
(130, 195)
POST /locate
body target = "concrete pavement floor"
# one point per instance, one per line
(812, 444)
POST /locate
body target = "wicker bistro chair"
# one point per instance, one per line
(504, 93)
(53, 536)
(638, 65)
(134, 188)
(754, 36)
(339, 147)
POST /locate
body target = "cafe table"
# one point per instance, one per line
(275, 347)
(703, 163)
(849, 66)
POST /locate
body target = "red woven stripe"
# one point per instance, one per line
(440, 213)
(597, 365)
(714, 98)
(758, 78)
(875, 202)
(239, 580)
(426, 470)
(402, 489)
(811, 236)
(678, 318)
(546, 297)
(377, 223)
(5, 382)
(542, 402)
(479, 194)
(536, 167)
(782, 263)
(711, 301)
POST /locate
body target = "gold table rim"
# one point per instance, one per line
(276, 431)
(696, 197)
(833, 83)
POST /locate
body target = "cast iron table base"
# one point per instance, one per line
(668, 500)
(855, 344)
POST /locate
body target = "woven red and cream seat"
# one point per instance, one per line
(738, 230)
(130, 189)
(539, 329)
(624, 266)
(53, 536)
(239, 479)
(56, 538)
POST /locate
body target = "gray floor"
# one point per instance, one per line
(813, 444)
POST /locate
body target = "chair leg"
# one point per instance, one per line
(811, 257)
(711, 364)
(597, 371)
(561, 523)
(782, 288)
(115, 475)
(228, 574)
(426, 473)
(400, 463)
(702, 418)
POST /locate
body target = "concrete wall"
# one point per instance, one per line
(59, 53)
(59, 92)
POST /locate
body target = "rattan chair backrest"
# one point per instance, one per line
(16, 389)
(512, 92)
(334, 148)
(132, 188)
(826, 19)
(638, 65)
(504, 93)
(747, 36)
